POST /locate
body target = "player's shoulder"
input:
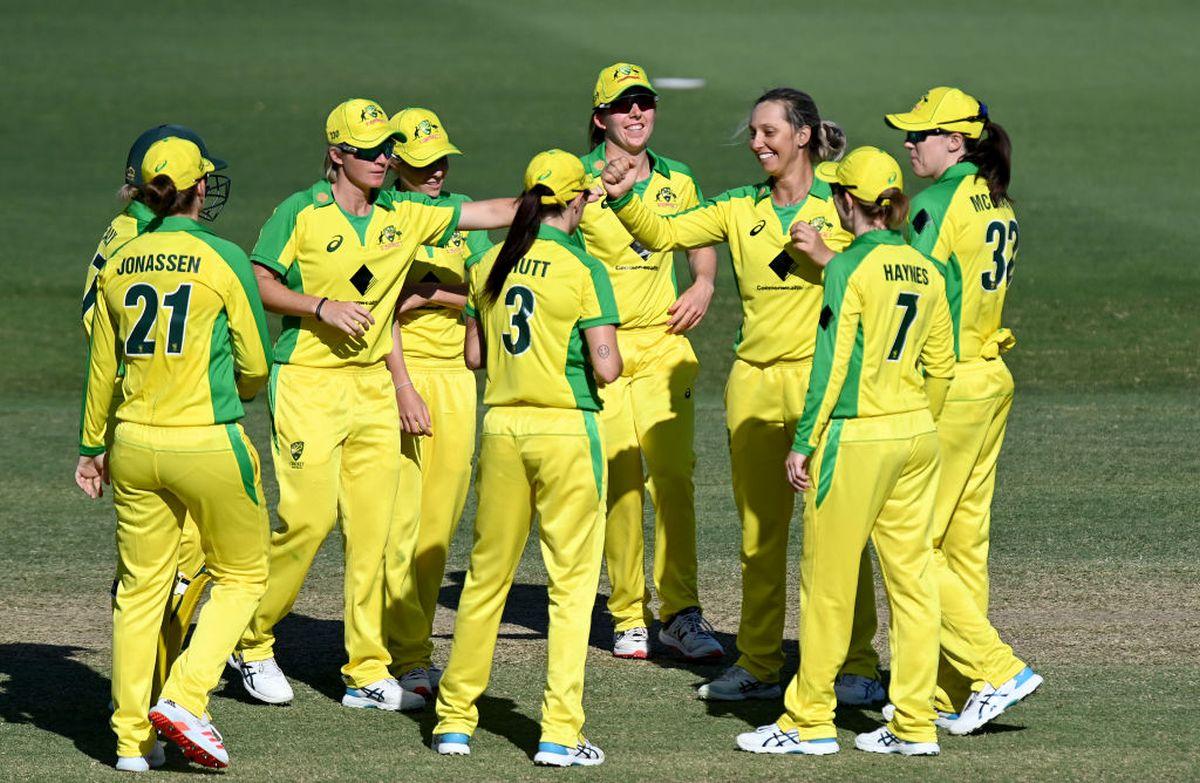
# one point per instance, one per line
(317, 195)
(674, 168)
(749, 193)
(484, 258)
(931, 205)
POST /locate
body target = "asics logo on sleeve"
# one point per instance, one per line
(759, 226)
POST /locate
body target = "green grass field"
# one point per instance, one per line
(1096, 549)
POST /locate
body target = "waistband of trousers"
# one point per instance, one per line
(347, 369)
(890, 426)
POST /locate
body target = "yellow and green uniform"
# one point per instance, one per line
(178, 307)
(336, 441)
(649, 411)
(191, 578)
(781, 298)
(974, 240)
(434, 469)
(542, 451)
(867, 425)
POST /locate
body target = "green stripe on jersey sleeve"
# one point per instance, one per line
(277, 232)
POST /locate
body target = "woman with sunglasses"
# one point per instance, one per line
(178, 306)
(780, 289)
(649, 411)
(135, 219)
(436, 394)
(965, 221)
(541, 318)
(331, 260)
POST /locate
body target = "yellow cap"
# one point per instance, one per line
(358, 123)
(179, 159)
(560, 171)
(866, 172)
(618, 79)
(944, 108)
(420, 137)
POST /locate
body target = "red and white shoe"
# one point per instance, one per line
(633, 643)
(197, 738)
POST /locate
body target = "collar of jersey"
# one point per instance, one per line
(656, 163)
(958, 171)
(880, 236)
(556, 235)
(180, 223)
(819, 188)
(322, 196)
(140, 212)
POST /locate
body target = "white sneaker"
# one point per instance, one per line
(417, 680)
(197, 738)
(942, 721)
(385, 694)
(772, 739)
(737, 684)
(882, 740)
(452, 744)
(690, 635)
(634, 643)
(990, 703)
(854, 690)
(584, 754)
(263, 679)
(133, 764)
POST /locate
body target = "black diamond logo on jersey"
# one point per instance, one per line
(920, 220)
(640, 249)
(362, 279)
(430, 277)
(782, 264)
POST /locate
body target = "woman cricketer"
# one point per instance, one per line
(542, 318)
(177, 306)
(965, 221)
(436, 394)
(780, 290)
(866, 455)
(135, 219)
(649, 412)
(332, 260)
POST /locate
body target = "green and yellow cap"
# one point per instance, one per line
(560, 171)
(420, 137)
(618, 79)
(943, 108)
(358, 123)
(866, 172)
(179, 159)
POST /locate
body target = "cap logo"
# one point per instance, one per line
(891, 178)
(334, 135)
(370, 113)
(160, 167)
(545, 175)
(425, 130)
(924, 99)
(627, 72)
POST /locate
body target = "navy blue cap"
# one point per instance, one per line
(133, 163)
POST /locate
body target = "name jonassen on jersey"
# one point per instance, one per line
(159, 262)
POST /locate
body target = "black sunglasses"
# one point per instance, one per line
(625, 103)
(916, 137)
(372, 153)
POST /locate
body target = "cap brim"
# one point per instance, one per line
(217, 163)
(430, 155)
(909, 122)
(827, 171)
(633, 89)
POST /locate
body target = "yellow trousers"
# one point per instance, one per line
(550, 461)
(336, 447)
(435, 474)
(190, 580)
(971, 431)
(762, 405)
(162, 476)
(649, 413)
(872, 478)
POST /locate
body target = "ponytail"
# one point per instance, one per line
(992, 153)
(891, 207)
(164, 199)
(831, 142)
(827, 140)
(520, 238)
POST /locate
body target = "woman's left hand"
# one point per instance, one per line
(689, 309)
(797, 471)
(414, 414)
(91, 474)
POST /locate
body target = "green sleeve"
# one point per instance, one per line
(276, 245)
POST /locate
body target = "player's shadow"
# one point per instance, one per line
(496, 716)
(45, 686)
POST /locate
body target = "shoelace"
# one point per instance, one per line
(269, 666)
(419, 672)
(693, 623)
(636, 634)
(587, 751)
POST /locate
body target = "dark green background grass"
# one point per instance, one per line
(1095, 544)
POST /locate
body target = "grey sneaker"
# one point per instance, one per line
(690, 635)
(737, 684)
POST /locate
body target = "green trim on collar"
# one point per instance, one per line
(181, 223)
(819, 188)
(140, 212)
(958, 171)
(657, 163)
(321, 194)
(556, 235)
(880, 236)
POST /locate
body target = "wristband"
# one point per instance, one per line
(320, 304)
(403, 385)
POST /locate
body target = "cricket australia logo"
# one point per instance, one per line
(389, 237)
(371, 113)
(296, 449)
(665, 196)
(424, 128)
(821, 224)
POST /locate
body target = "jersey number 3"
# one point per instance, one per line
(139, 342)
(1003, 239)
(519, 301)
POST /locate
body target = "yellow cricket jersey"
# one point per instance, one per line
(436, 332)
(781, 295)
(974, 239)
(180, 307)
(320, 250)
(643, 280)
(133, 220)
(534, 329)
(884, 326)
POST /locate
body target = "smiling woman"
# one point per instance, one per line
(332, 259)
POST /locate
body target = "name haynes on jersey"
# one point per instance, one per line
(905, 273)
(159, 262)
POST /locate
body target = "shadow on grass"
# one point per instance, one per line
(496, 716)
(47, 688)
